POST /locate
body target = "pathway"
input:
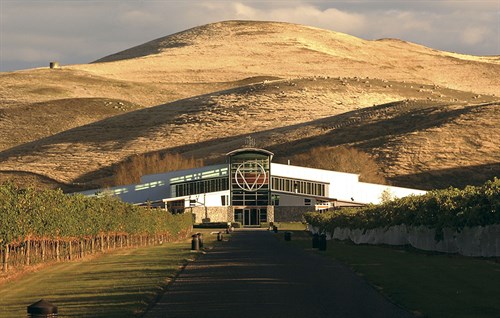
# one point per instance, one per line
(255, 275)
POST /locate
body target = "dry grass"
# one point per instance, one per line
(291, 87)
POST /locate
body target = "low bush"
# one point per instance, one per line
(449, 208)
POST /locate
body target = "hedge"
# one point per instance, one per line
(449, 208)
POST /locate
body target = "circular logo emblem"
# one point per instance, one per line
(250, 176)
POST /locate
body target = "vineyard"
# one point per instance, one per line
(439, 209)
(39, 226)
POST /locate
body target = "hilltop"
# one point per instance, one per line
(428, 117)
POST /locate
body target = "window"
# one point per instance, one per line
(298, 186)
(201, 186)
(224, 200)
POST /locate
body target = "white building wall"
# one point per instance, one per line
(372, 193)
(294, 200)
(212, 199)
(341, 186)
(154, 187)
(312, 174)
(135, 193)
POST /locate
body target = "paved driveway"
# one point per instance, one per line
(255, 275)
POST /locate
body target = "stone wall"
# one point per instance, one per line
(483, 241)
(225, 213)
(291, 213)
(270, 213)
(214, 214)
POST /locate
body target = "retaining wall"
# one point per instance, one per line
(481, 241)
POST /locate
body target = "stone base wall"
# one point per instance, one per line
(203, 214)
(483, 241)
(226, 213)
(270, 213)
(291, 213)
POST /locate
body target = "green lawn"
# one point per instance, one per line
(117, 284)
(434, 285)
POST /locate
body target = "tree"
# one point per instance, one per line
(343, 159)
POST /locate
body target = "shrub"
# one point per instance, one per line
(133, 168)
(343, 159)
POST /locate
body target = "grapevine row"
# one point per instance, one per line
(43, 225)
(439, 209)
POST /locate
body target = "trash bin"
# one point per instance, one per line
(195, 242)
(288, 236)
(315, 240)
(219, 236)
(322, 242)
(42, 309)
(200, 239)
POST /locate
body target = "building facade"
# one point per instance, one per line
(250, 189)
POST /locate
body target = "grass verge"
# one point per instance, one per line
(122, 283)
(433, 285)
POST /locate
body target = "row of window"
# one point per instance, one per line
(222, 184)
(202, 186)
(242, 198)
(298, 186)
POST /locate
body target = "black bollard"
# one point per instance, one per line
(275, 229)
(322, 242)
(42, 308)
(195, 242)
(219, 236)
(315, 240)
(288, 236)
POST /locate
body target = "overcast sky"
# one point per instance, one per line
(33, 33)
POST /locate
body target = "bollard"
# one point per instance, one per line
(315, 240)
(42, 309)
(195, 242)
(275, 229)
(219, 236)
(322, 242)
(200, 239)
(288, 236)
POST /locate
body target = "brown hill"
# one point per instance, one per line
(291, 87)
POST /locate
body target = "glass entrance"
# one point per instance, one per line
(250, 216)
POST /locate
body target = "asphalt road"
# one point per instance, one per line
(255, 275)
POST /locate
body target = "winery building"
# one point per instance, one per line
(251, 189)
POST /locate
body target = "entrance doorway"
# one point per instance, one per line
(250, 216)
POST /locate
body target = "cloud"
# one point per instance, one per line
(301, 13)
(474, 35)
(34, 32)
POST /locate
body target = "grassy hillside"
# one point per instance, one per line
(428, 117)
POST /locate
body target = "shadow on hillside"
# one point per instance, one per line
(149, 48)
(444, 178)
(346, 128)
(119, 130)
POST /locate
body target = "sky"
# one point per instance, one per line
(35, 32)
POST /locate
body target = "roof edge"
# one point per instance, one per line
(259, 150)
